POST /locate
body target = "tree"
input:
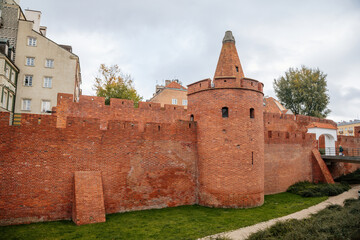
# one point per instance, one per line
(303, 91)
(112, 83)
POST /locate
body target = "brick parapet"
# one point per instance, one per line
(276, 137)
(227, 82)
(119, 109)
(290, 122)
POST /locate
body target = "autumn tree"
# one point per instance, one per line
(303, 91)
(112, 83)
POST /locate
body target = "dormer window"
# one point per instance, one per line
(32, 41)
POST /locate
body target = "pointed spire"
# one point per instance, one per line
(229, 63)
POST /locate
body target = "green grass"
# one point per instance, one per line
(334, 222)
(308, 189)
(352, 178)
(185, 222)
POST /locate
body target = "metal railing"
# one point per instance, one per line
(331, 151)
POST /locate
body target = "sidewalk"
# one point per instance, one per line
(245, 232)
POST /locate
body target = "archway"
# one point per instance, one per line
(326, 145)
(326, 137)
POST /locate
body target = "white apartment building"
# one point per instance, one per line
(45, 67)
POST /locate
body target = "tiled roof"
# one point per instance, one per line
(175, 85)
(321, 125)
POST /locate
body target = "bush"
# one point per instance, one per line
(334, 222)
(352, 178)
(307, 189)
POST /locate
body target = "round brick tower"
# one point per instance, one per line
(229, 116)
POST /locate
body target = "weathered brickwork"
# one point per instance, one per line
(88, 205)
(152, 168)
(231, 149)
(89, 159)
(119, 109)
(287, 159)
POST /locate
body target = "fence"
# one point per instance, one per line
(331, 151)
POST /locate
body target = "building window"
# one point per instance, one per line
(30, 61)
(10, 105)
(49, 63)
(28, 80)
(31, 41)
(45, 106)
(5, 99)
(225, 112)
(174, 101)
(7, 71)
(191, 117)
(237, 69)
(26, 104)
(184, 102)
(12, 78)
(252, 113)
(47, 82)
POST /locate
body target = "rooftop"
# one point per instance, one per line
(321, 125)
(349, 122)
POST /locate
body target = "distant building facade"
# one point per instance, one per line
(347, 128)
(45, 68)
(8, 77)
(170, 93)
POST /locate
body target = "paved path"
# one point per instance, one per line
(245, 232)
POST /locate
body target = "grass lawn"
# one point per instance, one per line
(185, 222)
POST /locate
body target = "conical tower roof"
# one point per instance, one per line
(229, 63)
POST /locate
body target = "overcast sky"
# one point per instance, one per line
(164, 39)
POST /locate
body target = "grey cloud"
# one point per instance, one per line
(157, 40)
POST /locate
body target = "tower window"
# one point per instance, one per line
(225, 112)
(191, 117)
(237, 68)
(252, 113)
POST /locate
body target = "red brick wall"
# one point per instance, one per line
(351, 146)
(231, 150)
(290, 123)
(88, 205)
(288, 159)
(357, 131)
(119, 109)
(153, 167)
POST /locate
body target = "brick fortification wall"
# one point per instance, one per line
(119, 109)
(351, 145)
(89, 158)
(288, 159)
(288, 151)
(231, 149)
(149, 167)
(290, 123)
